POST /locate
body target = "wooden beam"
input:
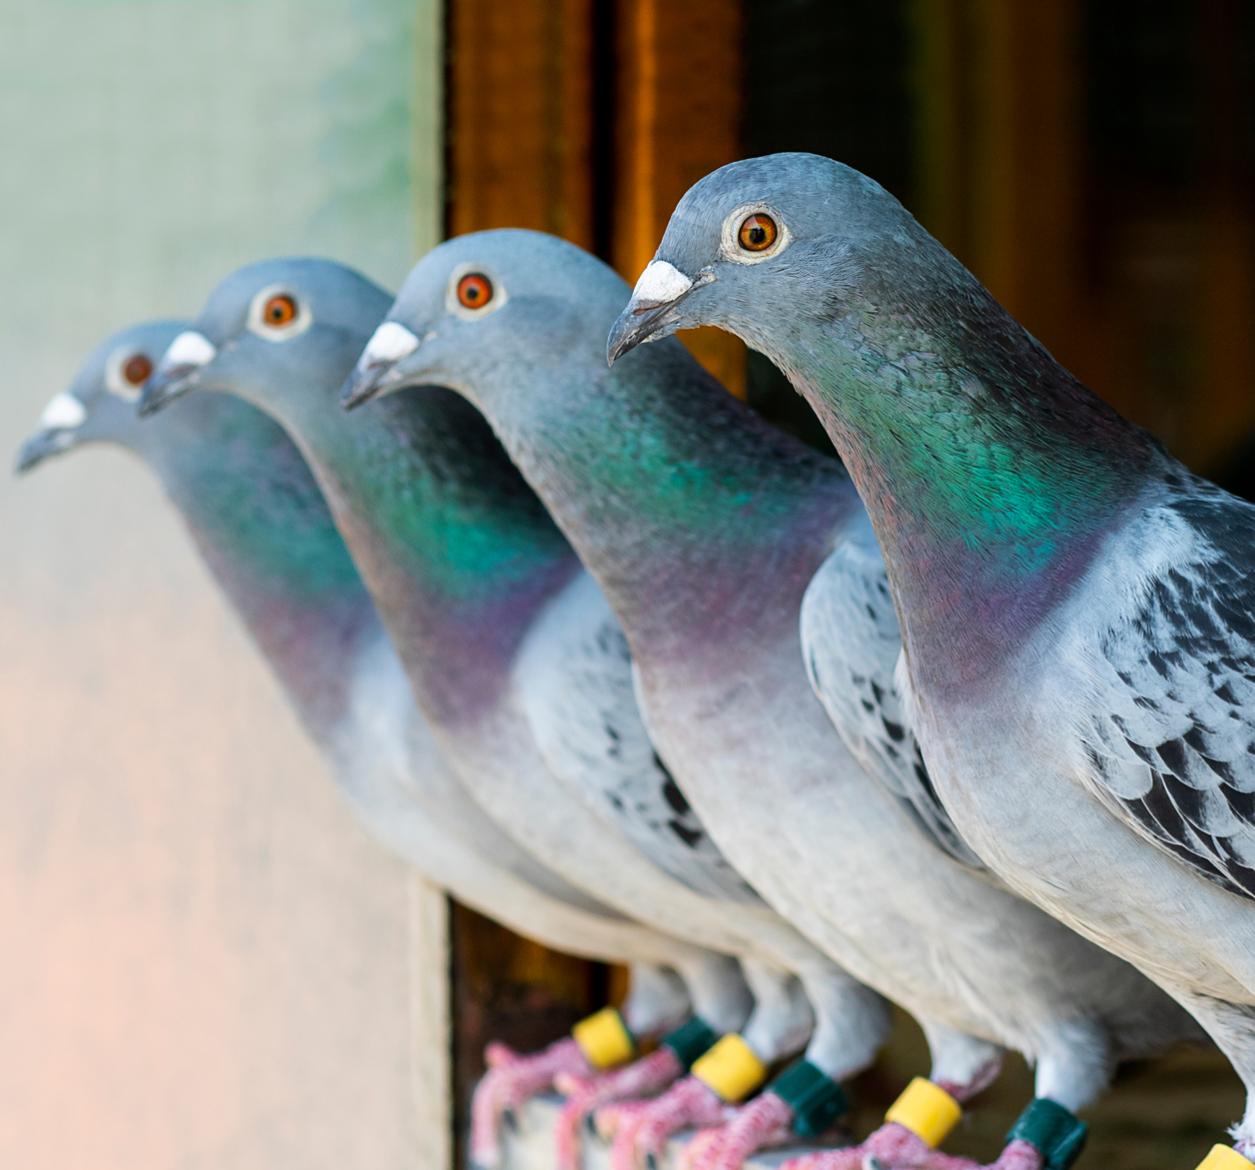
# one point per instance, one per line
(678, 117)
(1023, 223)
(520, 117)
(520, 153)
(1223, 409)
(1000, 165)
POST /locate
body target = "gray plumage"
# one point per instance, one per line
(575, 681)
(1075, 604)
(703, 526)
(852, 647)
(256, 515)
(461, 561)
(1173, 753)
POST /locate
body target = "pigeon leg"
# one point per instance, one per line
(642, 1133)
(608, 1120)
(502, 1090)
(1232, 1026)
(962, 1067)
(498, 1055)
(766, 1121)
(718, 989)
(780, 1023)
(1045, 1133)
(894, 1147)
(659, 998)
(642, 1078)
(851, 1023)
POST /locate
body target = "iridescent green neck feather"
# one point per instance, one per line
(702, 523)
(991, 475)
(262, 525)
(458, 552)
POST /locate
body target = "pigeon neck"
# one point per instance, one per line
(457, 551)
(258, 519)
(990, 474)
(702, 524)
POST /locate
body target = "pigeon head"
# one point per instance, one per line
(481, 310)
(278, 327)
(99, 405)
(763, 242)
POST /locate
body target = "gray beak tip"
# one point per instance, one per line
(624, 337)
(359, 387)
(40, 446)
(162, 389)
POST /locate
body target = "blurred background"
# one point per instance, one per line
(206, 963)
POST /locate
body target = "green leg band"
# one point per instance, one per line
(816, 1099)
(1057, 1132)
(690, 1040)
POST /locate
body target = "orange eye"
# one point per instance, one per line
(280, 310)
(758, 232)
(474, 290)
(137, 369)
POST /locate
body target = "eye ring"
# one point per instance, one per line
(479, 278)
(752, 233)
(280, 311)
(474, 291)
(757, 232)
(277, 313)
(137, 369)
(126, 371)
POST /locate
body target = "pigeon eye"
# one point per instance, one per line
(279, 311)
(757, 232)
(137, 369)
(474, 290)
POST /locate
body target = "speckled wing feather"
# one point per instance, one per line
(851, 642)
(1173, 752)
(574, 676)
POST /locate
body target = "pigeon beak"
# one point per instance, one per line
(377, 370)
(651, 313)
(177, 372)
(43, 444)
(58, 430)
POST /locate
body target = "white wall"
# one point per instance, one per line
(203, 961)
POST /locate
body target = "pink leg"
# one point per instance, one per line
(642, 1078)
(896, 1148)
(766, 1121)
(642, 1135)
(893, 1147)
(498, 1055)
(703, 1144)
(508, 1087)
(609, 1119)
(847, 1158)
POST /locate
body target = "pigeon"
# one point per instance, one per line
(468, 572)
(1075, 603)
(704, 527)
(260, 521)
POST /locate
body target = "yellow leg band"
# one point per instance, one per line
(1225, 1158)
(730, 1068)
(604, 1039)
(927, 1110)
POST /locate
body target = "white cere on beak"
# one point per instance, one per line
(63, 413)
(390, 343)
(190, 349)
(659, 283)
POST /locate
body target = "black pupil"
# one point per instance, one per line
(472, 291)
(757, 234)
(277, 311)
